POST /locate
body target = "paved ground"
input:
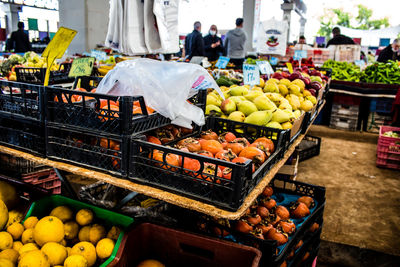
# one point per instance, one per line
(363, 201)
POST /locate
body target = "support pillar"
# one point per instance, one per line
(248, 24)
(302, 26)
(12, 17)
(287, 15)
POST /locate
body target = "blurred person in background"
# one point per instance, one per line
(194, 43)
(339, 39)
(370, 57)
(301, 44)
(390, 52)
(234, 44)
(213, 44)
(19, 40)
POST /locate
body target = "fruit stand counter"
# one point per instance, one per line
(161, 194)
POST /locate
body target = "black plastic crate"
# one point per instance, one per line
(25, 135)
(21, 100)
(224, 193)
(89, 150)
(87, 82)
(309, 147)
(37, 75)
(17, 166)
(93, 112)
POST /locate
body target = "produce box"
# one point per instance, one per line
(102, 152)
(87, 82)
(388, 150)
(177, 248)
(42, 208)
(227, 193)
(117, 115)
(309, 147)
(21, 101)
(26, 135)
(37, 75)
(344, 122)
(17, 166)
(285, 193)
(46, 179)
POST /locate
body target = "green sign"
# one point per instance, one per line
(33, 24)
(81, 67)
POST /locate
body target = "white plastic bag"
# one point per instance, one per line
(134, 28)
(151, 34)
(165, 86)
(166, 13)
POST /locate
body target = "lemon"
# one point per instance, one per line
(76, 261)
(30, 222)
(71, 229)
(48, 229)
(84, 233)
(114, 233)
(10, 254)
(3, 214)
(8, 195)
(87, 250)
(33, 258)
(96, 233)
(6, 263)
(55, 253)
(27, 236)
(16, 229)
(17, 245)
(14, 216)
(6, 241)
(84, 217)
(63, 213)
(28, 247)
(104, 248)
(150, 263)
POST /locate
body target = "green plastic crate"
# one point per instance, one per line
(43, 207)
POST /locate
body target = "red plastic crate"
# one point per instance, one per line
(347, 100)
(46, 179)
(388, 150)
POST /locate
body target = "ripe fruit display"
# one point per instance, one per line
(277, 104)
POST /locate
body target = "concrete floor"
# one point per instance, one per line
(363, 201)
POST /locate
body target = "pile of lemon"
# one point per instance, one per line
(60, 239)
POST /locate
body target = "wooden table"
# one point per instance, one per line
(161, 194)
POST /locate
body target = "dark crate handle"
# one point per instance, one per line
(200, 252)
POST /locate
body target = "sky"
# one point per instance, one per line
(224, 12)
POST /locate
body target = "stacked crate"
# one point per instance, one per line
(380, 113)
(345, 110)
(388, 149)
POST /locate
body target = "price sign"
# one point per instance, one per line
(222, 62)
(81, 67)
(251, 74)
(56, 48)
(299, 54)
(265, 67)
(99, 55)
(290, 67)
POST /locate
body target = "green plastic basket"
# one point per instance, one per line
(42, 208)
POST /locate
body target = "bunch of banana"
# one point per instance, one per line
(104, 69)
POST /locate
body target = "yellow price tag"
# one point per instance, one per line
(82, 67)
(290, 67)
(56, 48)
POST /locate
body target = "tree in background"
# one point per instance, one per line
(335, 16)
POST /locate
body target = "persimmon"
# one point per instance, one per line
(64, 99)
(104, 102)
(209, 172)
(299, 244)
(235, 147)
(190, 143)
(115, 161)
(287, 226)
(258, 233)
(209, 135)
(211, 145)
(153, 140)
(165, 136)
(93, 91)
(268, 191)
(220, 232)
(243, 226)
(264, 227)
(314, 227)
(267, 143)
(226, 137)
(205, 153)
(109, 144)
(109, 112)
(261, 146)
(275, 234)
(242, 140)
(227, 173)
(309, 201)
(282, 212)
(263, 211)
(170, 159)
(273, 219)
(191, 165)
(253, 219)
(227, 155)
(253, 153)
(269, 203)
(299, 210)
(243, 160)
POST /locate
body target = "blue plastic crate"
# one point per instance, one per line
(381, 105)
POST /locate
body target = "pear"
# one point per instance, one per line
(237, 99)
(286, 125)
(239, 91)
(253, 95)
(280, 116)
(290, 114)
(294, 89)
(283, 90)
(226, 94)
(285, 82)
(223, 116)
(233, 85)
(247, 107)
(274, 97)
(274, 124)
(306, 93)
(224, 88)
(299, 83)
(285, 105)
(259, 117)
(237, 116)
(306, 105)
(273, 80)
(257, 89)
(213, 100)
(263, 103)
(228, 106)
(297, 113)
(262, 83)
(213, 110)
(247, 86)
(316, 79)
(271, 87)
(312, 99)
(294, 101)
